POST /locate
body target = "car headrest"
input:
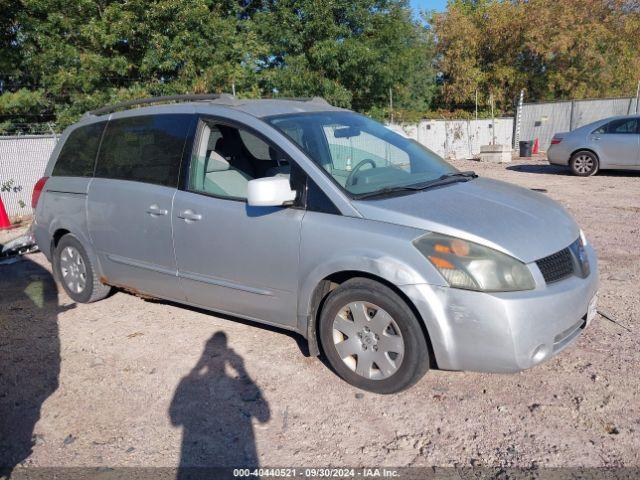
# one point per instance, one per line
(216, 163)
(225, 147)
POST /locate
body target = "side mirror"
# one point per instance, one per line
(346, 132)
(270, 192)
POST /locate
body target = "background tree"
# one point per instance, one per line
(77, 55)
(554, 49)
(351, 52)
(61, 58)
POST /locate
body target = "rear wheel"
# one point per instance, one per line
(584, 164)
(371, 338)
(76, 273)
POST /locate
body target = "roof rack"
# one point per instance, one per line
(189, 98)
(164, 99)
(319, 100)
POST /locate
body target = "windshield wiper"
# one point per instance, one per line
(445, 179)
(388, 190)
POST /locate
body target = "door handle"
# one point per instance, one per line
(189, 216)
(155, 210)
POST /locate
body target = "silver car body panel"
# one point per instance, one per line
(499, 332)
(266, 264)
(516, 221)
(238, 258)
(134, 245)
(620, 151)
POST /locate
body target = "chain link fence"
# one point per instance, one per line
(22, 162)
(542, 120)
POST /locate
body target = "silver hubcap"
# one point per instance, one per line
(73, 269)
(584, 164)
(368, 340)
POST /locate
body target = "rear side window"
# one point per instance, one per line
(627, 125)
(78, 154)
(144, 149)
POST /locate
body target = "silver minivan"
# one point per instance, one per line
(313, 218)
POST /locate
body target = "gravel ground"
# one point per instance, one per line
(129, 382)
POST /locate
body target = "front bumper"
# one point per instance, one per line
(505, 332)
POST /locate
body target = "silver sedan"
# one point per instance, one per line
(611, 143)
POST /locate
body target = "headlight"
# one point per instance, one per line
(583, 238)
(580, 255)
(474, 267)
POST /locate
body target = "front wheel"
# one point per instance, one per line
(584, 164)
(371, 338)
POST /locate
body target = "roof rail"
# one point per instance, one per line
(164, 99)
(319, 100)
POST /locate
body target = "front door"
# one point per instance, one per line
(130, 199)
(232, 257)
(618, 143)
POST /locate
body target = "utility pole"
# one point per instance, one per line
(391, 104)
(233, 87)
(638, 98)
(516, 136)
(493, 121)
(476, 106)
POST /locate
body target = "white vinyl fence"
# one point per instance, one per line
(22, 162)
(458, 139)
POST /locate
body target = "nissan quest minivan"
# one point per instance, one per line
(318, 220)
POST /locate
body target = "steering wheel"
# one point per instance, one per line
(352, 176)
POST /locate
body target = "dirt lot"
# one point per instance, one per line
(132, 382)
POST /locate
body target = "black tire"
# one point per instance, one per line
(415, 360)
(584, 163)
(94, 289)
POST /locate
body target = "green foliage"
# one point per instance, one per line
(70, 56)
(405, 116)
(350, 52)
(60, 58)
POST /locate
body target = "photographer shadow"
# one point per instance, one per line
(29, 355)
(215, 404)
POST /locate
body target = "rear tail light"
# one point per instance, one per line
(37, 190)
(555, 140)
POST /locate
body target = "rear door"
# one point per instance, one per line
(232, 257)
(130, 200)
(618, 143)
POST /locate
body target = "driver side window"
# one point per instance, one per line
(226, 158)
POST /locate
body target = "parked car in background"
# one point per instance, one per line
(612, 143)
(321, 221)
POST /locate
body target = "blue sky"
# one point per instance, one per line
(428, 4)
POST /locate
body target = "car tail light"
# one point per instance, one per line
(37, 190)
(555, 140)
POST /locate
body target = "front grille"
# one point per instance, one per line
(557, 266)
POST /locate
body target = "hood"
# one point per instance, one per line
(524, 224)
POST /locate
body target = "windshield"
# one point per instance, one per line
(360, 154)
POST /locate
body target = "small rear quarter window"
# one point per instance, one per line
(78, 154)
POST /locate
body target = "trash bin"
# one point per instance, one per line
(526, 148)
